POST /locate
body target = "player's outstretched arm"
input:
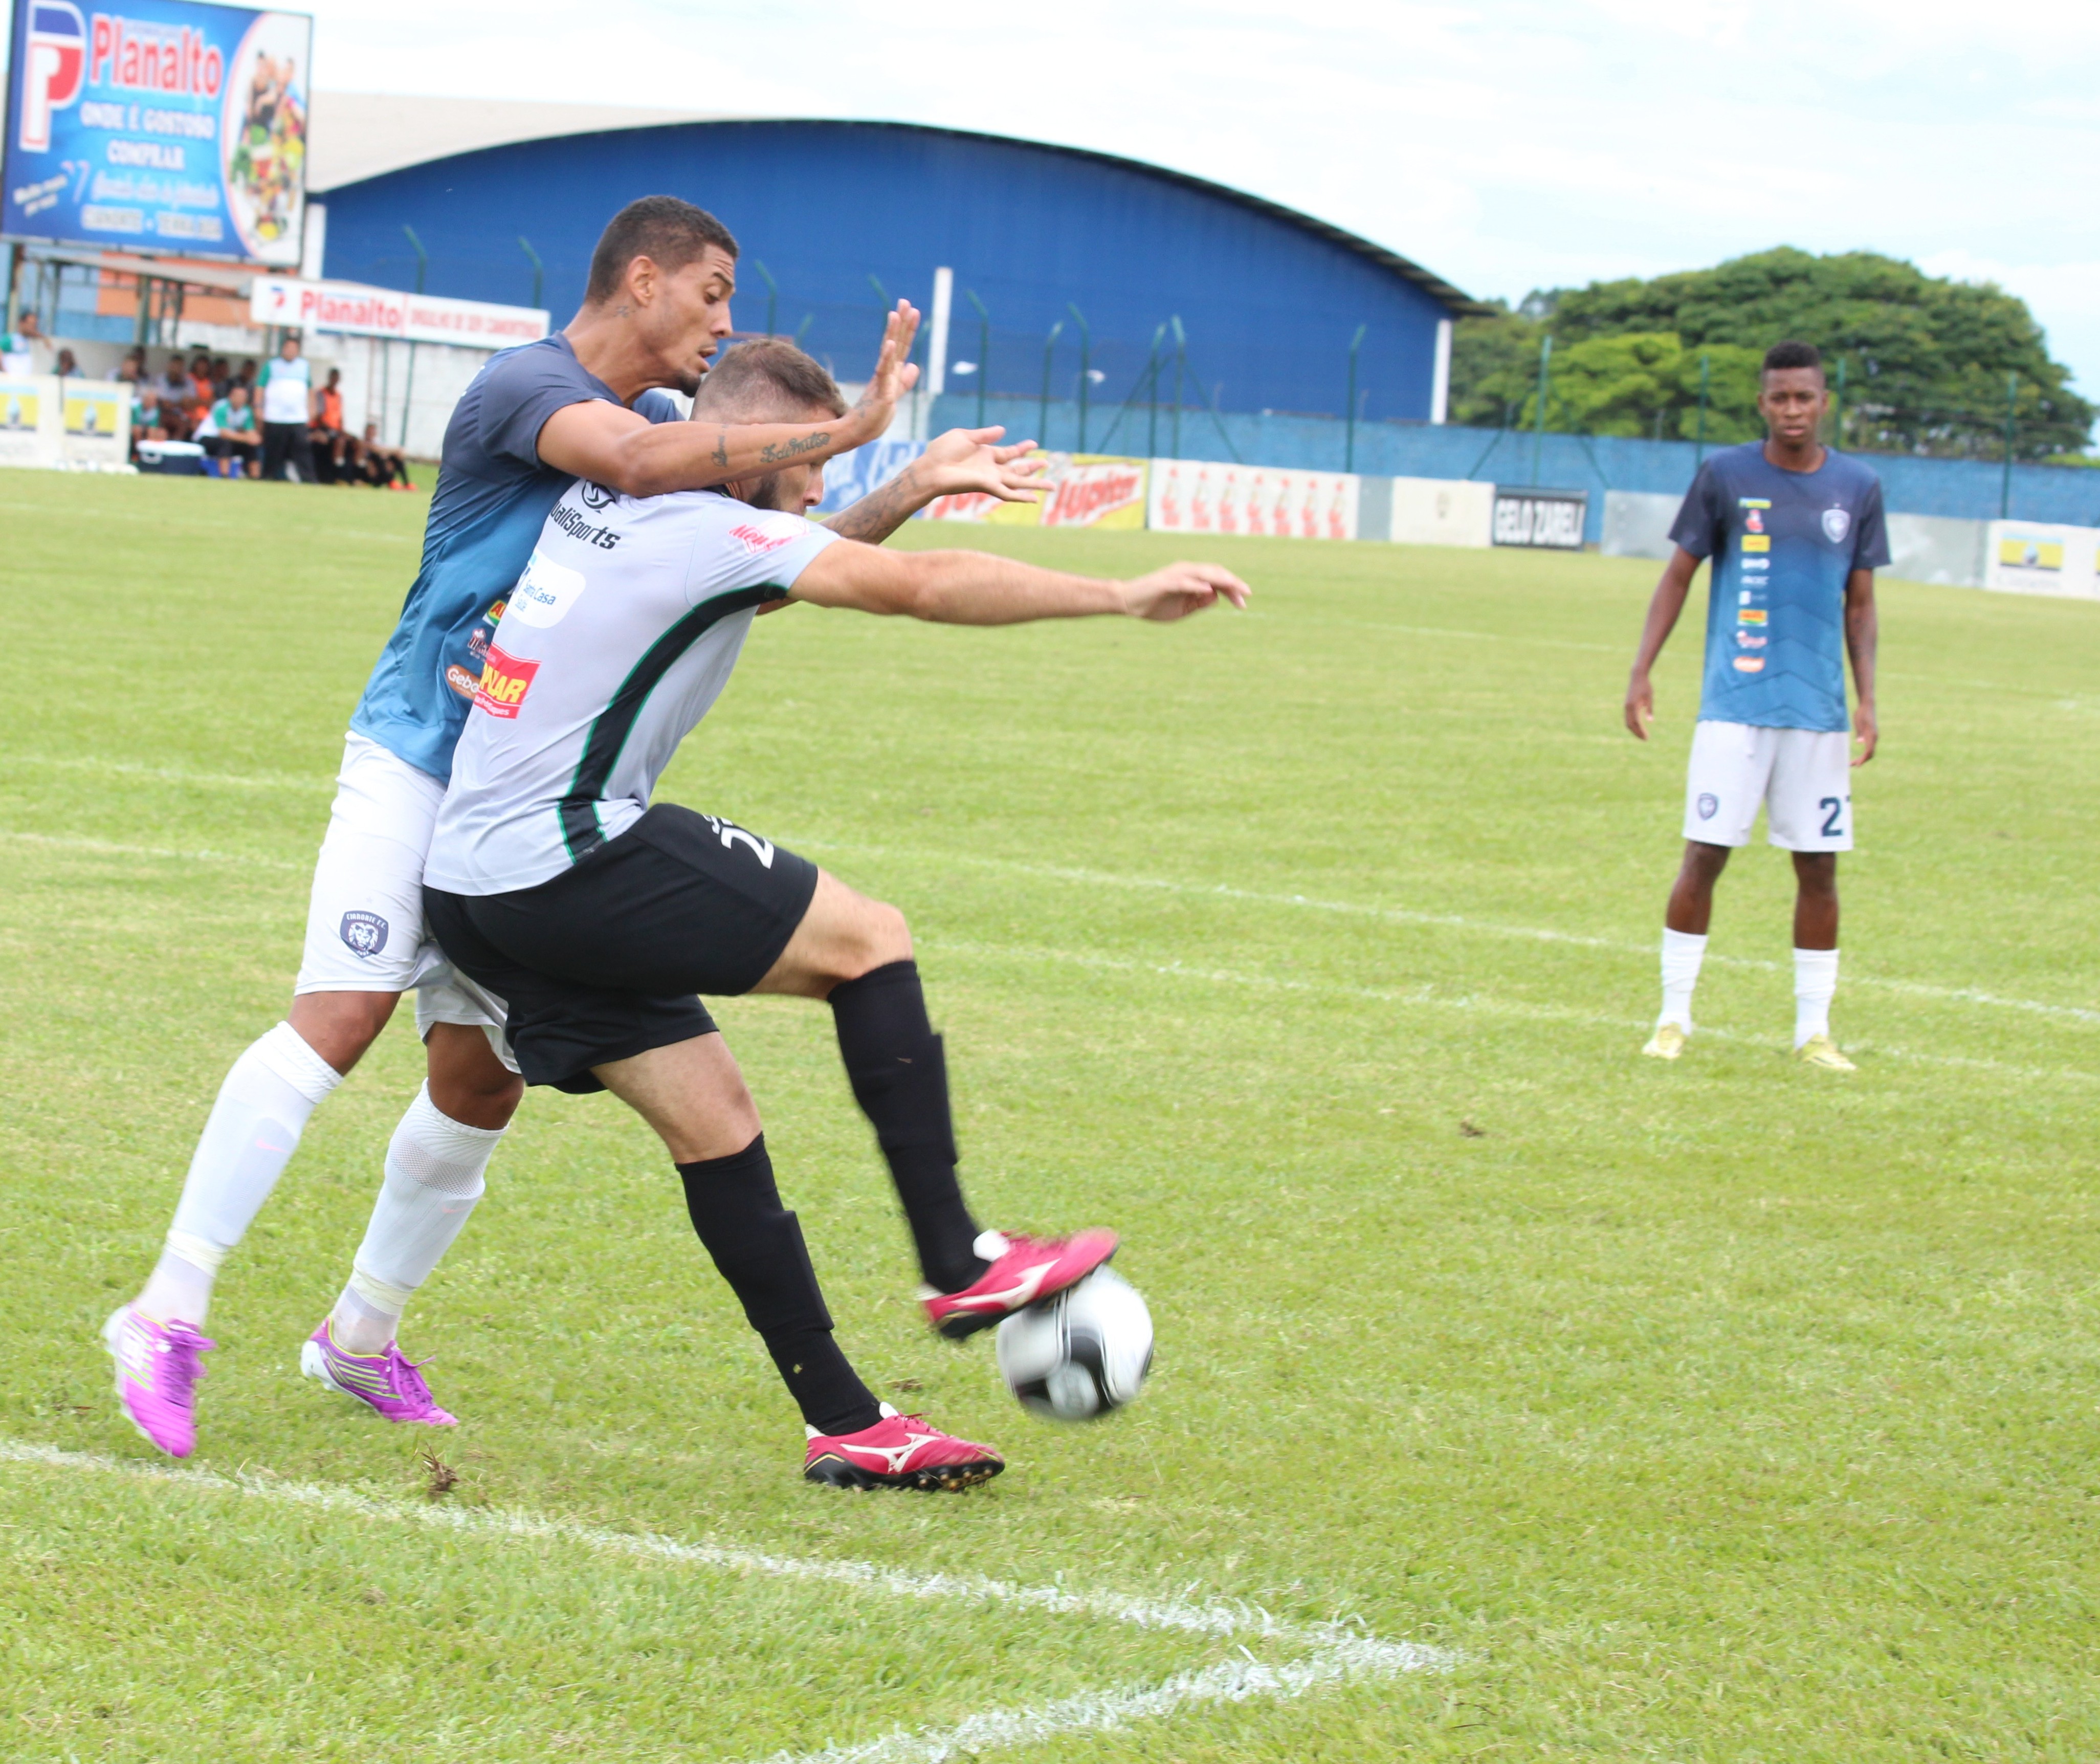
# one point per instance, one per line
(961, 462)
(975, 587)
(1863, 636)
(1662, 616)
(610, 445)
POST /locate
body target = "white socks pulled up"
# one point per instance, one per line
(253, 1130)
(435, 1175)
(1682, 954)
(1815, 985)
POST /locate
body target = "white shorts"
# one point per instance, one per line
(364, 921)
(1803, 776)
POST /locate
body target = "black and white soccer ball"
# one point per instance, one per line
(1076, 1356)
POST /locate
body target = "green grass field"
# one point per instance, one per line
(1724, 1410)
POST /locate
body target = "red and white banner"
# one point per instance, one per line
(359, 311)
(1078, 490)
(1203, 497)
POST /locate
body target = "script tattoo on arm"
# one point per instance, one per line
(779, 453)
(721, 446)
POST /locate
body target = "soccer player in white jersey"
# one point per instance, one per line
(581, 402)
(1795, 533)
(553, 881)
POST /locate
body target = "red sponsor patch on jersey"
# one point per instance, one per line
(505, 681)
(758, 540)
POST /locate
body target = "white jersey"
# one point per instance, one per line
(616, 641)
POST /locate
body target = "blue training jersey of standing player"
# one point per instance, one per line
(492, 497)
(1783, 543)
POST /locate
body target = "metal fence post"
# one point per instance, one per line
(1152, 395)
(1180, 367)
(408, 385)
(1043, 408)
(772, 296)
(984, 350)
(1349, 431)
(1699, 457)
(539, 269)
(2011, 410)
(1538, 427)
(1086, 370)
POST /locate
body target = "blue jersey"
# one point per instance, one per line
(1783, 543)
(492, 497)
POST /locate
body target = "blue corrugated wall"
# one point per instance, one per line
(1965, 489)
(1269, 306)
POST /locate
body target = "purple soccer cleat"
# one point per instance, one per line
(386, 1383)
(158, 1365)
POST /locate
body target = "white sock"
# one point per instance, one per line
(1682, 954)
(435, 1168)
(1815, 985)
(253, 1130)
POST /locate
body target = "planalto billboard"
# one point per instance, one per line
(170, 127)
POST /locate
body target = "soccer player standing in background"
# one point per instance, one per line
(1795, 533)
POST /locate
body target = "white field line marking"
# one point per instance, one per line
(103, 848)
(1442, 921)
(1429, 999)
(309, 783)
(1335, 1653)
(1102, 878)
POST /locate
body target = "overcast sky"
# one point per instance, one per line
(1506, 144)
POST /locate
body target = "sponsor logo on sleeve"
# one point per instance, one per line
(505, 680)
(1836, 524)
(545, 592)
(1749, 664)
(759, 537)
(364, 933)
(1757, 542)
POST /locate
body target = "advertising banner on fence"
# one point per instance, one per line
(2032, 558)
(1203, 497)
(853, 475)
(45, 421)
(361, 311)
(1078, 490)
(172, 126)
(1546, 520)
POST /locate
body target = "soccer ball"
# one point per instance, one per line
(1077, 1356)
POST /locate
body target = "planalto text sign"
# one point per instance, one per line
(281, 300)
(171, 126)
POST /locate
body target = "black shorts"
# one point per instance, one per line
(603, 961)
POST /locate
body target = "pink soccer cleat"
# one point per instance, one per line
(1024, 1271)
(158, 1365)
(898, 1452)
(389, 1384)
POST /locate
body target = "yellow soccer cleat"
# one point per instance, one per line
(1820, 1050)
(1668, 1042)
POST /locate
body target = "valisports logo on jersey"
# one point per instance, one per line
(505, 681)
(1836, 524)
(595, 496)
(759, 537)
(1757, 542)
(364, 932)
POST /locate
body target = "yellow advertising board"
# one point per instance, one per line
(21, 404)
(1078, 490)
(92, 410)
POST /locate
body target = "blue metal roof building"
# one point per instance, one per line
(827, 213)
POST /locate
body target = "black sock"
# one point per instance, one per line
(757, 1245)
(900, 1078)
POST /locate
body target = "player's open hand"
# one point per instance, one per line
(1866, 731)
(895, 373)
(972, 462)
(1640, 705)
(1182, 588)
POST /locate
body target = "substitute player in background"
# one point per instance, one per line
(579, 404)
(1795, 533)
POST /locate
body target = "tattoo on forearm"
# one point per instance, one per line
(875, 516)
(721, 447)
(779, 453)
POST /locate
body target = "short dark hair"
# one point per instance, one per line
(667, 230)
(1791, 355)
(757, 381)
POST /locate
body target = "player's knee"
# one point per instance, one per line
(340, 1026)
(883, 937)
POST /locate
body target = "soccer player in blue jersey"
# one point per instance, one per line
(585, 403)
(1795, 533)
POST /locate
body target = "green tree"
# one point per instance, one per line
(1926, 359)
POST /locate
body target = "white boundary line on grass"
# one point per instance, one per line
(1334, 1653)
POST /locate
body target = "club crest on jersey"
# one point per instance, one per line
(1836, 524)
(364, 933)
(1710, 804)
(505, 681)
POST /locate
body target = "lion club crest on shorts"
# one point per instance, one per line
(1710, 805)
(1836, 524)
(364, 932)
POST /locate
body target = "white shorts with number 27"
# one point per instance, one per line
(1802, 776)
